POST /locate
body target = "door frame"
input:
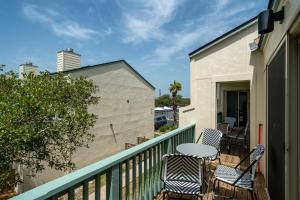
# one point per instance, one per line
(284, 41)
(294, 116)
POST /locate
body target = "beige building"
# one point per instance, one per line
(125, 112)
(67, 59)
(257, 83)
(26, 69)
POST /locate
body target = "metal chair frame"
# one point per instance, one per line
(224, 128)
(238, 137)
(249, 168)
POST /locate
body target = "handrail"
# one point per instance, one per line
(64, 183)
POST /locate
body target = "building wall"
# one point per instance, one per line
(284, 33)
(127, 103)
(230, 60)
(26, 69)
(67, 60)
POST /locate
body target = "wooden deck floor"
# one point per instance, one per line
(230, 160)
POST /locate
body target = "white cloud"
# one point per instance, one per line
(58, 24)
(222, 13)
(72, 29)
(145, 20)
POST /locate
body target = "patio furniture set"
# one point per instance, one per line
(188, 171)
(233, 135)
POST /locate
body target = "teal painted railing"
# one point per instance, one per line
(130, 174)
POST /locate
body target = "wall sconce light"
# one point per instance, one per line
(254, 45)
(267, 18)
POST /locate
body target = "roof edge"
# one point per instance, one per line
(108, 63)
(69, 52)
(128, 65)
(218, 39)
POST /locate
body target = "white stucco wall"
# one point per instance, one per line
(227, 61)
(127, 102)
(231, 60)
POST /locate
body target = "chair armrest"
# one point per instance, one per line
(199, 137)
(244, 158)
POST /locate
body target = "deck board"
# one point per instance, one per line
(231, 160)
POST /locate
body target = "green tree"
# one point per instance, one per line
(163, 100)
(43, 120)
(174, 88)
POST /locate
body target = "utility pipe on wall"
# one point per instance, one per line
(259, 142)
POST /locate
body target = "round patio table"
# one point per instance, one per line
(200, 150)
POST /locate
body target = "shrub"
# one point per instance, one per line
(167, 128)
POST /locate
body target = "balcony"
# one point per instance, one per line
(131, 174)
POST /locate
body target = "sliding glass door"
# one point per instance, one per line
(237, 103)
(276, 125)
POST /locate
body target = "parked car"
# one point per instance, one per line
(160, 121)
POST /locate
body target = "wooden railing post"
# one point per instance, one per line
(168, 146)
(193, 134)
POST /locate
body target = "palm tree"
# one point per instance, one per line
(174, 88)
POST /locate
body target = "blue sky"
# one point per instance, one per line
(155, 37)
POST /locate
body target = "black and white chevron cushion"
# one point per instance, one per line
(256, 156)
(212, 137)
(182, 173)
(230, 174)
(258, 152)
(182, 187)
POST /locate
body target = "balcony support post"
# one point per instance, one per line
(114, 183)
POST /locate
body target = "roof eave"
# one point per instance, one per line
(107, 63)
(224, 36)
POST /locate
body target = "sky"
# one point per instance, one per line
(153, 36)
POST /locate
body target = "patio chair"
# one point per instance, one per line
(224, 128)
(243, 136)
(230, 120)
(182, 174)
(238, 178)
(238, 136)
(211, 137)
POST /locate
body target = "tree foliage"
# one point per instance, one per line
(174, 88)
(165, 100)
(43, 120)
